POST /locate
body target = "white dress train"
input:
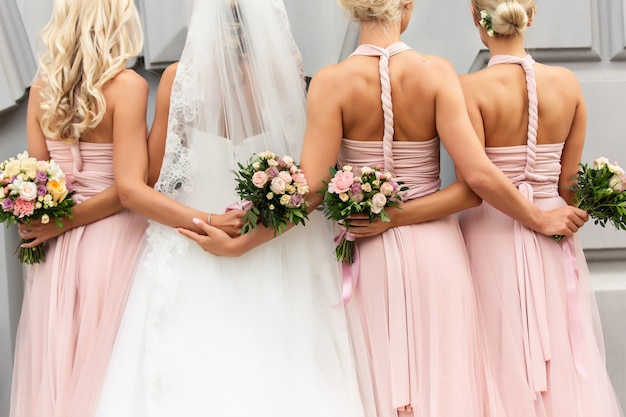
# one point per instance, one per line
(264, 334)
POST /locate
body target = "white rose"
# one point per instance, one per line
(288, 161)
(347, 168)
(367, 187)
(12, 168)
(272, 162)
(378, 202)
(28, 191)
(615, 169)
(600, 162)
(278, 185)
(344, 197)
(285, 199)
(45, 219)
(366, 170)
(29, 166)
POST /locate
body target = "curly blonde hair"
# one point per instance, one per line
(88, 43)
(508, 17)
(374, 10)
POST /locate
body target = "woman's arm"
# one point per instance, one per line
(573, 148)
(132, 169)
(452, 199)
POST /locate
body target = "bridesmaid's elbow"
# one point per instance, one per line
(127, 194)
(480, 183)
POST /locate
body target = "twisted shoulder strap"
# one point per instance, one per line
(385, 83)
(527, 64)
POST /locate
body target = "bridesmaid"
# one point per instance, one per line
(84, 103)
(414, 296)
(540, 315)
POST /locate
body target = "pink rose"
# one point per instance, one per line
(299, 178)
(386, 188)
(285, 176)
(259, 179)
(341, 182)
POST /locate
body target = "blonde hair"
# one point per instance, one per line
(508, 17)
(374, 10)
(88, 43)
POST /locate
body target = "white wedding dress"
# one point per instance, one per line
(262, 335)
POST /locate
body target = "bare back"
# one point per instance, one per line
(414, 81)
(499, 95)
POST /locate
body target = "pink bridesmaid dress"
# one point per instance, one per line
(540, 316)
(415, 297)
(74, 301)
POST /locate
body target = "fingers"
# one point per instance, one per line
(32, 243)
(189, 234)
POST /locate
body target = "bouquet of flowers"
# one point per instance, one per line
(275, 187)
(33, 189)
(601, 191)
(358, 190)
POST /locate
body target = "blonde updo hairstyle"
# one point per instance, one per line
(508, 17)
(374, 10)
(88, 43)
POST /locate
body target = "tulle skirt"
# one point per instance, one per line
(264, 334)
(73, 305)
(558, 386)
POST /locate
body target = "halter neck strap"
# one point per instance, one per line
(385, 83)
(527, 63)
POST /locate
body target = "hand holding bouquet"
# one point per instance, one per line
(358, 190)
(601, 192)
(276, 187)
(32, 189)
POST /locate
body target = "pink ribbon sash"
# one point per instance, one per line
(350, 271)
(240, 205)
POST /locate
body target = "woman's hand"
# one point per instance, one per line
(37, 232)
(229, 222)
(360, 226)
(214, 240)
(564, 221)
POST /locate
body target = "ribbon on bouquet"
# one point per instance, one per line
(571, 285)
(240, 205)
(349, 271)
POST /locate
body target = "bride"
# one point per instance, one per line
(264, 334)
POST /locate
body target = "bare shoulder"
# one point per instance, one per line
(129, 80)
(328, 78)
(34, 94)
(37, 83)
(433, 64)
(558, 76)
(170, 71)
(473, 82)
